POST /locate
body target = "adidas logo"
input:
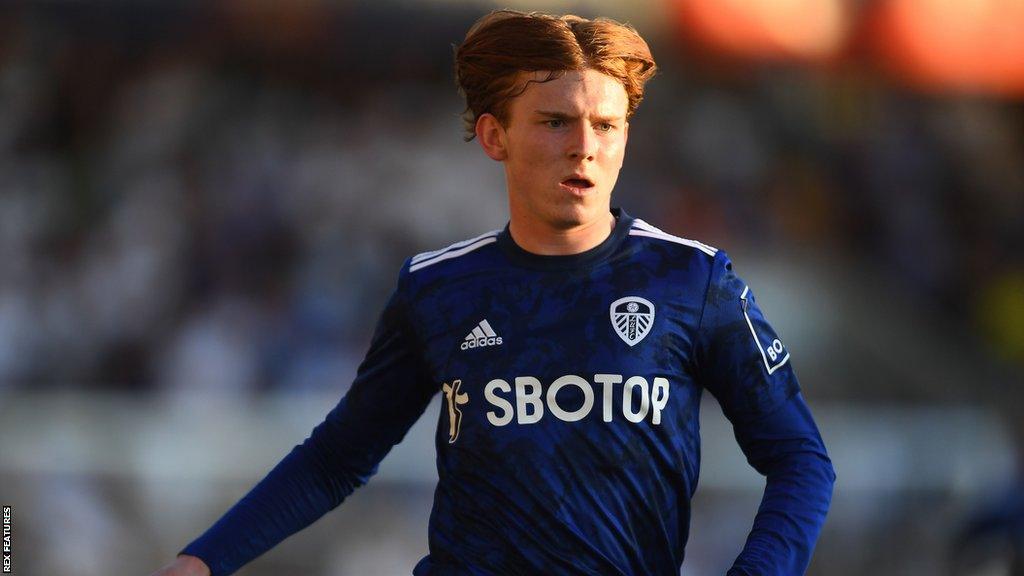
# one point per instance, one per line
(482, 335)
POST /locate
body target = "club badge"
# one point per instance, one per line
(632, 318)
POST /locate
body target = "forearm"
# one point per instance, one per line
(788, 450)
(789, 520)
(389, 393)
(340, 455)
(292, 496)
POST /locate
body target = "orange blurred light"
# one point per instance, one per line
(804, 30)
(964, 45)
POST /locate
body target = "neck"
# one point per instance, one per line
(543, 239)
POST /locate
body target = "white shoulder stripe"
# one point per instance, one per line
(643, 225)
(453, 253)
(641, 228)
(427, 255)
(670, 238)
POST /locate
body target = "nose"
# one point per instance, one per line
(583, 143)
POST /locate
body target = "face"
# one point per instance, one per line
(562, 146)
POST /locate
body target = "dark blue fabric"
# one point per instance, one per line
(568, 441)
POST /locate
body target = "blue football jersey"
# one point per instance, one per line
(568, 441)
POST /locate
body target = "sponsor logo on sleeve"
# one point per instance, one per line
(773, 353)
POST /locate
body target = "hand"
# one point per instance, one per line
(184, 565)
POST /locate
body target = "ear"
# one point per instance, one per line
(492, 137)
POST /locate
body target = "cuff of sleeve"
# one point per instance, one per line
(196, 549)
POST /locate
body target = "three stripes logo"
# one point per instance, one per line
(482, 335)
(632, 318)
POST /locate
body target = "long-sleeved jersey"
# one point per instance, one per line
(568, 441)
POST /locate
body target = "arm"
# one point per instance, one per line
(786, 448)
(389, 393)
(744, 364)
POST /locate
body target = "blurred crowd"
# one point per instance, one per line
(219, 198)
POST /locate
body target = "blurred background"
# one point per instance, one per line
(204, 205)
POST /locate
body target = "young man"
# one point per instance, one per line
(571, 348)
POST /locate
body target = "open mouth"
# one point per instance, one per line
(577, 183)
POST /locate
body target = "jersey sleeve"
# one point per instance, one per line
(390, 392)
(744, 364)
(742, 361)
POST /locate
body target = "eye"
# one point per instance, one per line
(555, 123)
(605, 126)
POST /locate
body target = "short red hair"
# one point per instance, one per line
(504, 43)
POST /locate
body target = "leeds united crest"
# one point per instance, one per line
(632, 318)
